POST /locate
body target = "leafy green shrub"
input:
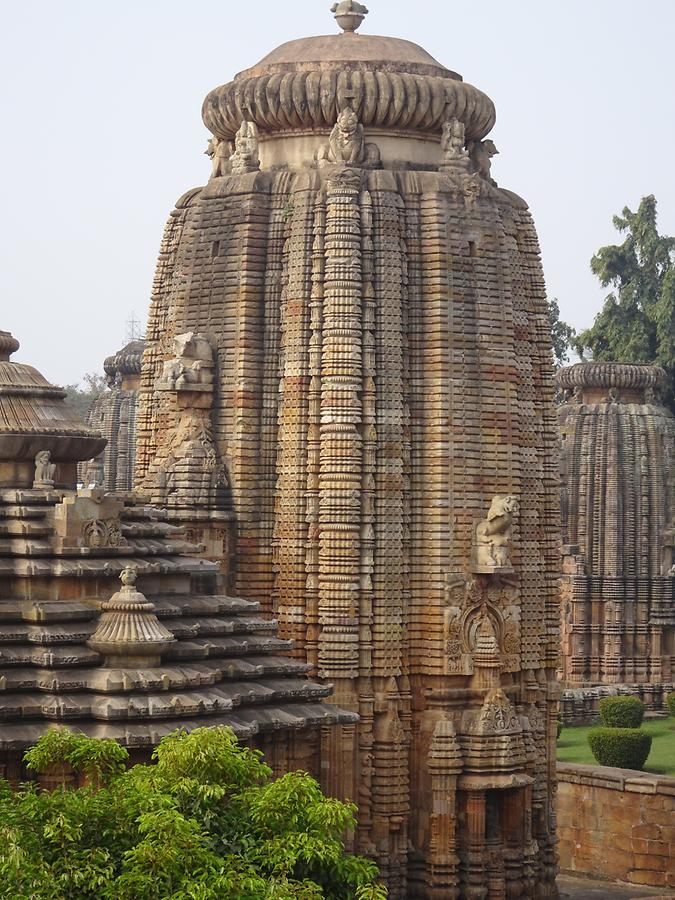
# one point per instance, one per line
(625, 748)
(670, 703)
(621, 712)
(206, 821)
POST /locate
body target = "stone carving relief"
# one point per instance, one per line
(492, 538)
(89, 519)
(497, 715)
(220, 153)
(453, 151)
(477, 611)
(347, 145)
(44, 470)
(186, 471)
(245, 157)
(480, 154)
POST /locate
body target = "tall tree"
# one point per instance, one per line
(563, 335)
(637, 322)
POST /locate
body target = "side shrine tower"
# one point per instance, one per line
(348, 350)
(618, 514)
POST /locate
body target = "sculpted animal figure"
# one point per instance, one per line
(347, 145)
(493, 534)
(481, 153)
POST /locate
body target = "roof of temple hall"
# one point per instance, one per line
(136, 663)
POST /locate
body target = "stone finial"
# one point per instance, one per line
(493, 537)
(44, 470)
(8, 345)
(129, 632)
(349, 14)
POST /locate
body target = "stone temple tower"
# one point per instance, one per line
(618, 512)
(348, 353)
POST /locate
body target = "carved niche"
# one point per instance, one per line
(468, 604)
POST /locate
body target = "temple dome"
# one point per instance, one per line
(35, 417)
(391, 83)
(337, 49)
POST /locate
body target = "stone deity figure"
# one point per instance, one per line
(493, 536)
(481, 153)
(219, 152)
(44, 470)
(245, 157)
(452, 143)
(347, 145)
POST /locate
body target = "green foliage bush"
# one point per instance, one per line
(670, 703)
(621, 712)
(205, 822)
(625, 748)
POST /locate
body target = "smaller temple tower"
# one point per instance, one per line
(113, 414)
(164, 650)
(618, 589)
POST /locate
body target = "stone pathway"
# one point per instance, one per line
(583, 889)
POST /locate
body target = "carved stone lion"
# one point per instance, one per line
(346, 145)
(493, 535)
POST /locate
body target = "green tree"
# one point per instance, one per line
(205, 822)
(637, 321)
(79, 397)
(563, 334)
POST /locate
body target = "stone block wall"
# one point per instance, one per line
(617, 824)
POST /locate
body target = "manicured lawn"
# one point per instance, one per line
(573, 746)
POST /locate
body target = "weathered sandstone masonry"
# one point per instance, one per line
(377, 415)
(617, 824)
(618, 512)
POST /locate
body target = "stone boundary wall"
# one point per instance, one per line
(616, 824)
(581, 706)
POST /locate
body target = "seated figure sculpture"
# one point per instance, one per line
(44, 470)
(493, 536)
(347, 145)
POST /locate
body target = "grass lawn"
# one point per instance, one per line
(573, 746)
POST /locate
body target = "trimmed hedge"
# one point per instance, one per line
(621, 712)
(625, 748)
(670, 703)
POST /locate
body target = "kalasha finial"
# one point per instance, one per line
(349, 14)
(8, 345)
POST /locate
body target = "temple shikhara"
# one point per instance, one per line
(348, 383)
(618, 514)
(113, 414)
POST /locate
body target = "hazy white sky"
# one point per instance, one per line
(102, 133)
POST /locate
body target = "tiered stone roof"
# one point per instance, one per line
(173, 652)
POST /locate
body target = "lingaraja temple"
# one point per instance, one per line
(130, 661)
(349, 361)
(113, 414)
(618, 514)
